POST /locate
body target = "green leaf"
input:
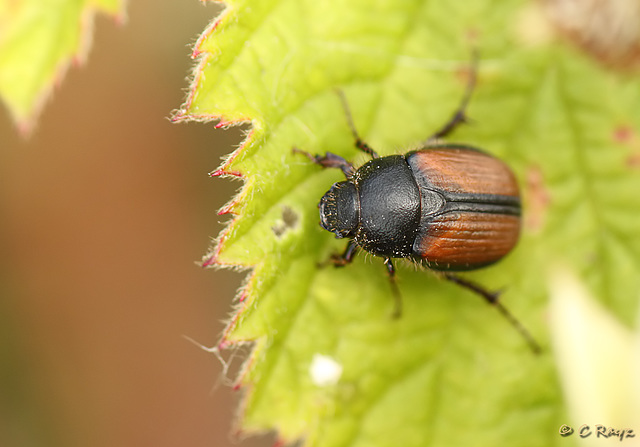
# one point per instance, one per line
(38, 40)
(451, 371)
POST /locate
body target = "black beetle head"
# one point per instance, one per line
(340, 210)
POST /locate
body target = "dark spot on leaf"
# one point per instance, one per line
(288, 221)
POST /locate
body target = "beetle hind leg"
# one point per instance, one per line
(493, 299)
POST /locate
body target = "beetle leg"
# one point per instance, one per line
(492, 298)
(360, 144)
(459, 116)
(397, 311)
(344, 258)
(347, 256)
(329, 160)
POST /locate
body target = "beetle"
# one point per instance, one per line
(449, 207)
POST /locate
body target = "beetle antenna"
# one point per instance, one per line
(460, 116)
(360, 144)
(492, 298)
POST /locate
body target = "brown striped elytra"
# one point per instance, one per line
(458, 168)
(466, 240)
(470, 207)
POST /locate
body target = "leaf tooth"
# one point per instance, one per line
(197, 48)
(222, 172)
(228, 209)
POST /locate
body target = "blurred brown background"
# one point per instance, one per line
(104, 211)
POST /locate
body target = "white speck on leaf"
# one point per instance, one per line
(324, 370)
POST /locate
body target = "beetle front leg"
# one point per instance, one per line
(329, 160)
(347, 256)
(492, 298)
(344, 258)
(397, 311)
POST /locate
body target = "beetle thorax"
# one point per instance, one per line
(389, 206)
